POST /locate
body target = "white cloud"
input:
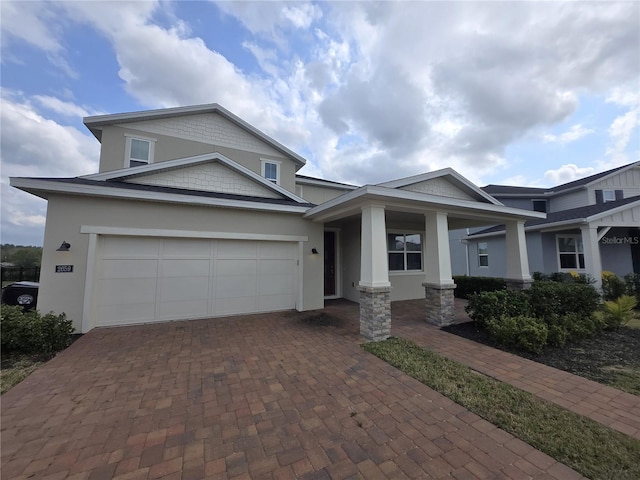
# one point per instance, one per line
(576, 132)
(68, 109)
(567, 173)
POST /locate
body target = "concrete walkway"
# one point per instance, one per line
(276, 396)
(609, 406)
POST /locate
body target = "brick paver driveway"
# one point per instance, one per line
(264, 396)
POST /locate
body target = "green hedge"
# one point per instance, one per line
(33, 333)
(467, 286)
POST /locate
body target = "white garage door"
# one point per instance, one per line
(156, 279)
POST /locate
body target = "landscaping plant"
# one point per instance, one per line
(33, 333)
(617, 313)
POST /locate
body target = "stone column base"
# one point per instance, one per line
(518, 283)
(439, 303)
(375, 312)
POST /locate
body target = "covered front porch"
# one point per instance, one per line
(395, 246)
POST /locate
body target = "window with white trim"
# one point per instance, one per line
(405, 252)
(570, 252)
(271, 171)
(483, 254)
(608, 195)
(138, 151)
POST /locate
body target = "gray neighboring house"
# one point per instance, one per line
(194, 213)
(592, 225)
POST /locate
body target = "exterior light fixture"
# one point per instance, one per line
(314, 251)
(64, 247)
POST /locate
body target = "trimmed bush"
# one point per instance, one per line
(632, 282)
(552, 298)
(522, 332)
(486, 306)
(612, 286)
(467, 286)
(32, 333)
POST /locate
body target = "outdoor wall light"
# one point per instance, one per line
(64, 247)
(314, 251)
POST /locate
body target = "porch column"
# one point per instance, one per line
(438, 284)
(518, 276)
(592, 260)
(374, 286)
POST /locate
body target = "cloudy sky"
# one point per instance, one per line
(518, 93)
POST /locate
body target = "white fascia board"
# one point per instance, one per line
(162, 232)
(613, 211)
(396, 196)
(133, 172)
(35, 185)
(325, 183)
(577, 222)
(624, 169)
(97, 122)
(445, 172)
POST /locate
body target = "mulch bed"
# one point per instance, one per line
(597, 358)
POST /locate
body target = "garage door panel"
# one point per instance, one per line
(142, 280)
(185, 268)
(127, 291)
(131, 268)
(237, 249)
(236, 286)
(232, 268)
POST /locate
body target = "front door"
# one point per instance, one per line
(330, 277)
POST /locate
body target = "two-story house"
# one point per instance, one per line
(592, 225)
(194, 213)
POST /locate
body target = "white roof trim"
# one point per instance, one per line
(32, 185)
(613, 211)
(445, 172)
(96, 122)
(142, 170)
(385, 195)
(325, 183)
(598, 180)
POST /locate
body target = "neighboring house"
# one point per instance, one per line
(195, 214)
(592, 224)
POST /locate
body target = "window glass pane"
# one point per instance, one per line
(139, 150)
(396, 261)
(483, 260)
(568, 260)
(581, 260)
(414, 261)
(566, 244)
(271, 171)
(608, 195)
(540, 205)
(413, 243)
(482, 248)
(395, 242)
(579, 245)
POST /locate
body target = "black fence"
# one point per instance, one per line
(18, 274)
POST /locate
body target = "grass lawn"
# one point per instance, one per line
(594, 450)
(14, 369)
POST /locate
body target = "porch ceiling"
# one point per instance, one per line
(411, 206)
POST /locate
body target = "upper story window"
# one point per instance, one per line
(405, 251)
(570, 252)
(540, 206)
(139, 151)
(483, 254)
(271, 171)
(608, 195)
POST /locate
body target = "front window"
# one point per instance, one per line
(608, 195)
(139, 151)
(271, 171)
(570, 252)
(405, 251)
(483, 254)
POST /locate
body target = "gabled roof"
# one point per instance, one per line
(305, 180)
(95, 123)
(576, 184)
(449, 174)
(572, 216)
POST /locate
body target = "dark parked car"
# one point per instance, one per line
(21, 293)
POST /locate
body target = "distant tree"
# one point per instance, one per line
(21, 256)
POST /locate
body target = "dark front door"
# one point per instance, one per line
(329, 264)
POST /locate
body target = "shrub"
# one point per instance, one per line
(485, 306)
(632, 282)
(522, 332)
(612, 286)
(467, 286)
(616, 313)
(552, 298)
(30, 332)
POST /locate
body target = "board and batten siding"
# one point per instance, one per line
(628, 181)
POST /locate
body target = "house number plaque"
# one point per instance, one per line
(64, 268)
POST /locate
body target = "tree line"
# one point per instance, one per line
(21, 256)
